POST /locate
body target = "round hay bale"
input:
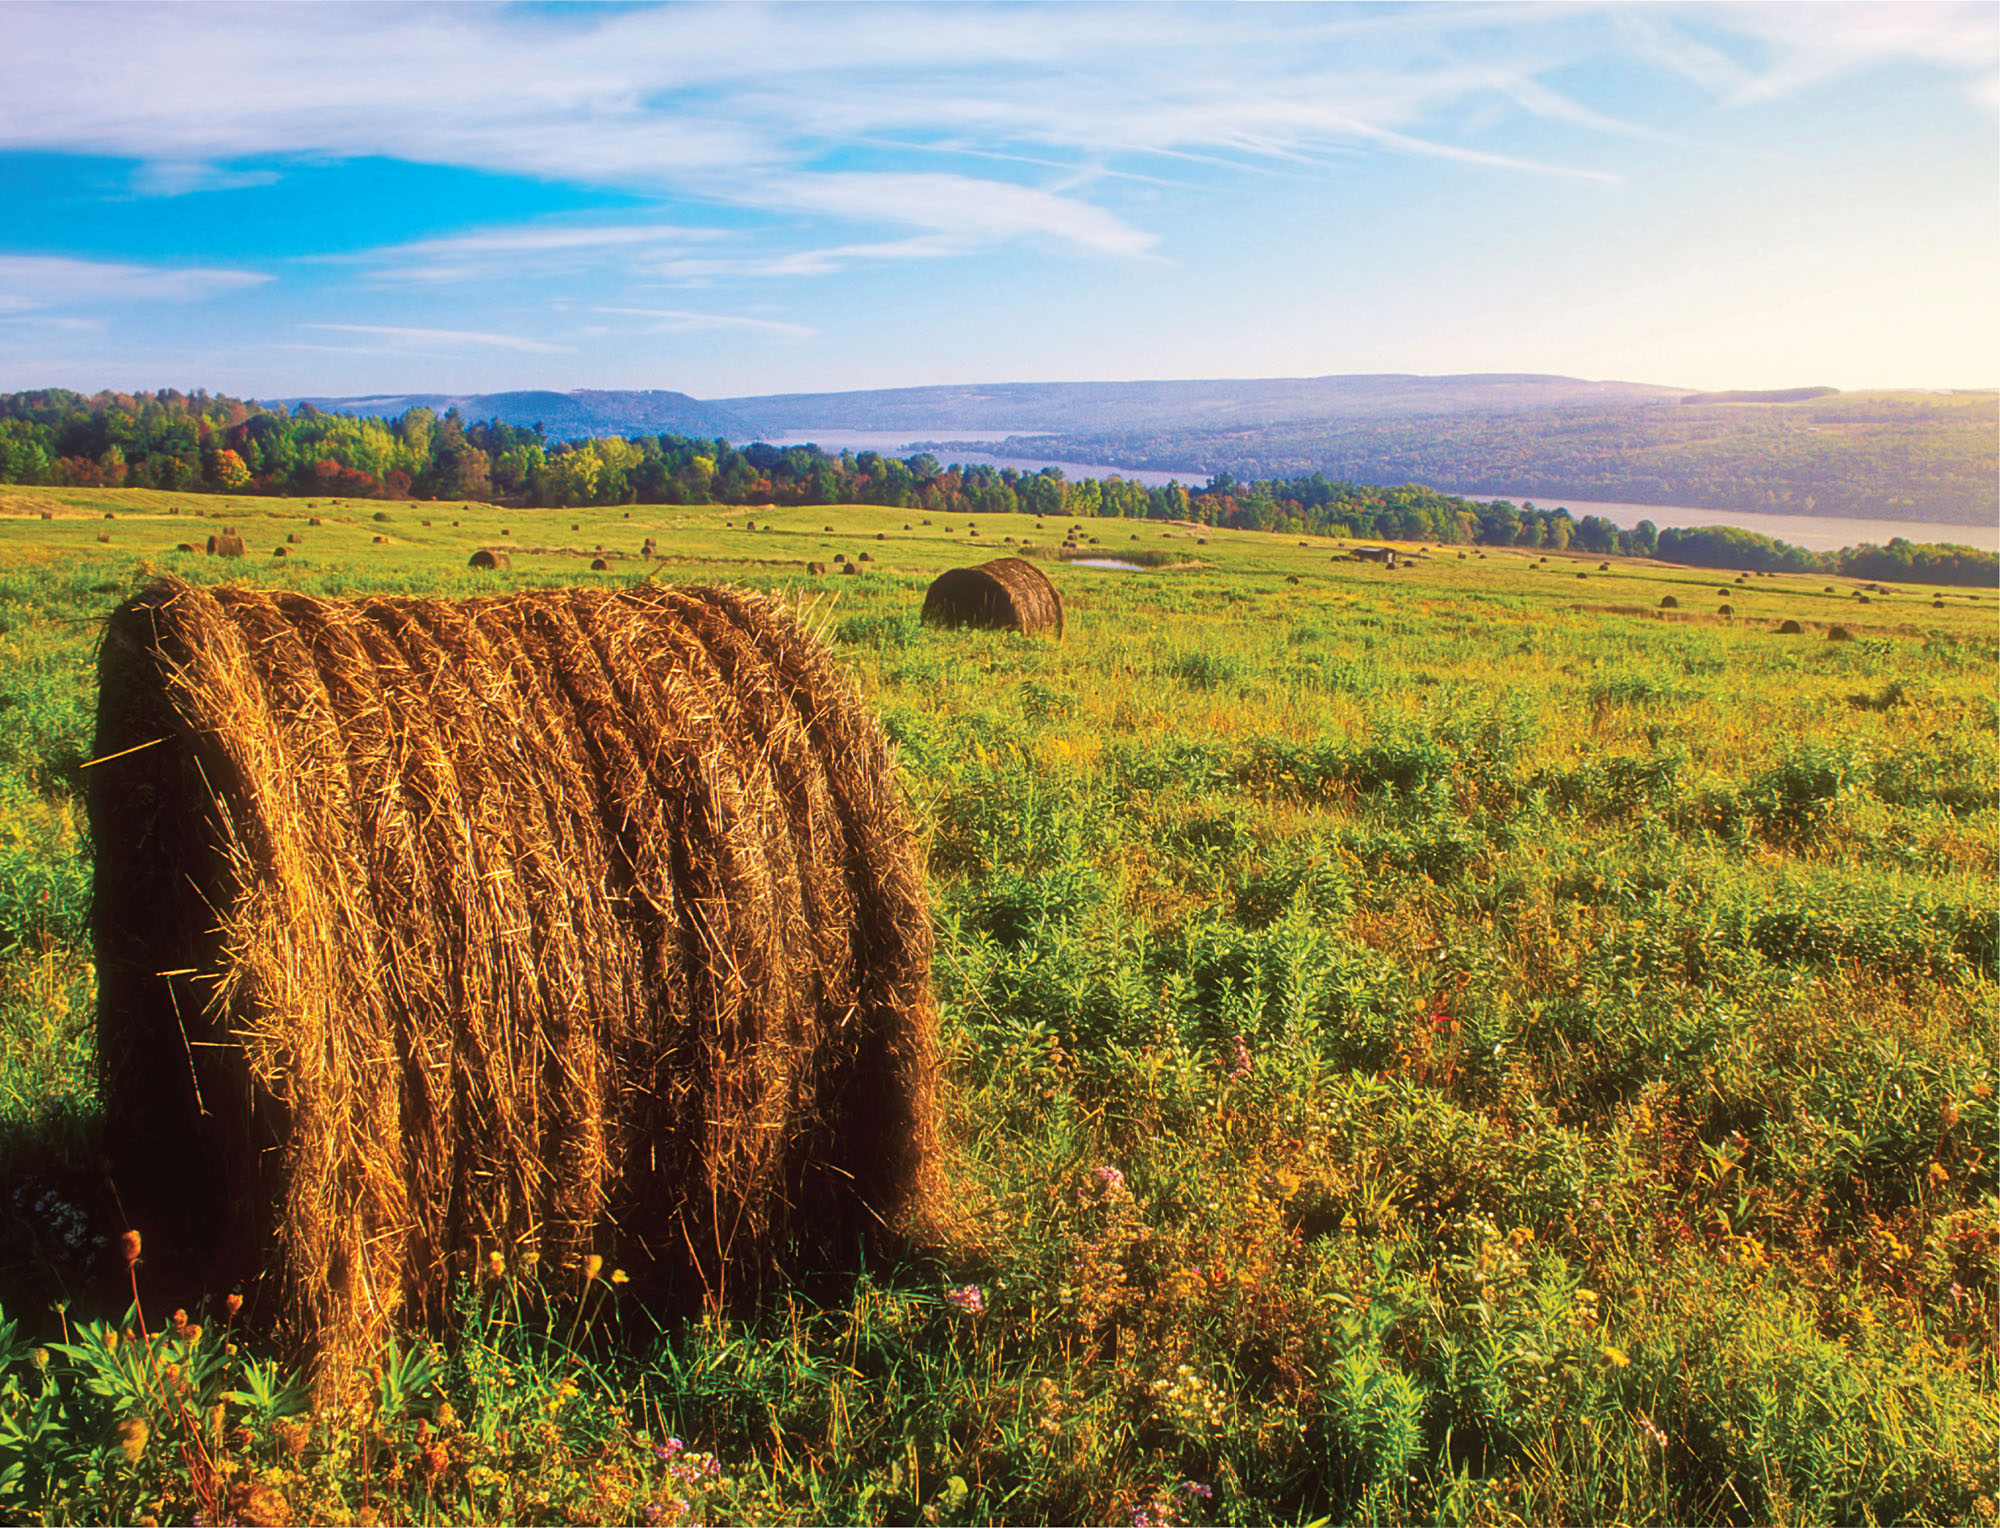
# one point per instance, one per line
(1668, 602)
(599, 565)
(505, 532)
(109, 515)
(1008, 593)
(312, 520)
(48, 514)
(1292, 578)
(490, 560)
(816, 568)
(379, 540)
(185, 546)
(1583, 575)
(1839, 634)
(1790, 629)
(292, 538)
(382, 516)
(1725, 610)
(866, 557)
(281, 550)
(1864, 599)
(225, 544)
(1604, 567)
(850, 568)
(572, 922)
(104, 535)
(573, 525)
(882, 535)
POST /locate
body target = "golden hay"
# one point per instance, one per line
(1007, 592)
(570, 922)
(227, 544)
(486, 558)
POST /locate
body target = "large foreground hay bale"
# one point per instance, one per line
(1008, 592)
(570, 922)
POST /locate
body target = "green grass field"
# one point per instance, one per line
(1458, 1043)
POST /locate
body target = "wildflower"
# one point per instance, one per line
(131, 1433)
(40, 1356)
(592, 1267)
(1196, 1489)
(969, 1298)
(1240, 1066)
(232, 1305)
(129, 1243)
(620, 1276)
(1939, 1173)
(1110, 1176)
(496, 1267)
(1615, 1357)
(1957, 1298)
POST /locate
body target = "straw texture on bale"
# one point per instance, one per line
(599, 565)
(1008, 592)
(228, 544)
(571, 922)
(485, 558)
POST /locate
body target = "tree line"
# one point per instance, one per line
(196, 443)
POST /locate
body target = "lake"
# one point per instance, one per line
(1817, 533)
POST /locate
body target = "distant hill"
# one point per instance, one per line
(563, 416)
(1013, 408)
(1891, 456)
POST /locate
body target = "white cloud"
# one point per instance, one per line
(766, 106)
(683, 320)
(45, 281)
(449, 337)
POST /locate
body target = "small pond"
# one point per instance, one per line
(1102, 562)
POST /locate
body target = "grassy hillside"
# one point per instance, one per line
(1453, 1043)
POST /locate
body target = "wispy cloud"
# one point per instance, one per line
(683, 320)
(766, 107)
(29, 282)
(454, 338)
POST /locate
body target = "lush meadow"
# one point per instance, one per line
(1452, 1043)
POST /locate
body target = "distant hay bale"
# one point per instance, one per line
(599, 565)
(225, 544)
(884, 535)
(185, 546)
(281, 550)
(104, 535)
(816, 567)
(489, 559)
(574, 922)
(866, 557)
(1725, 610)
(1007, 593)
(1604, 567)
(292, 537)
(379, 540)
(850, 568)
(314, 520)
(1790, 629)
(1668, 602)
(1839, 634)
(48, 514)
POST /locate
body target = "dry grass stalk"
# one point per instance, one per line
(577, 922)
(1008, 592)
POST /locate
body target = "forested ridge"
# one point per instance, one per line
(203, 443)
(1899, 456)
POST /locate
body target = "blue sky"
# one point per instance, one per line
(283, 199)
